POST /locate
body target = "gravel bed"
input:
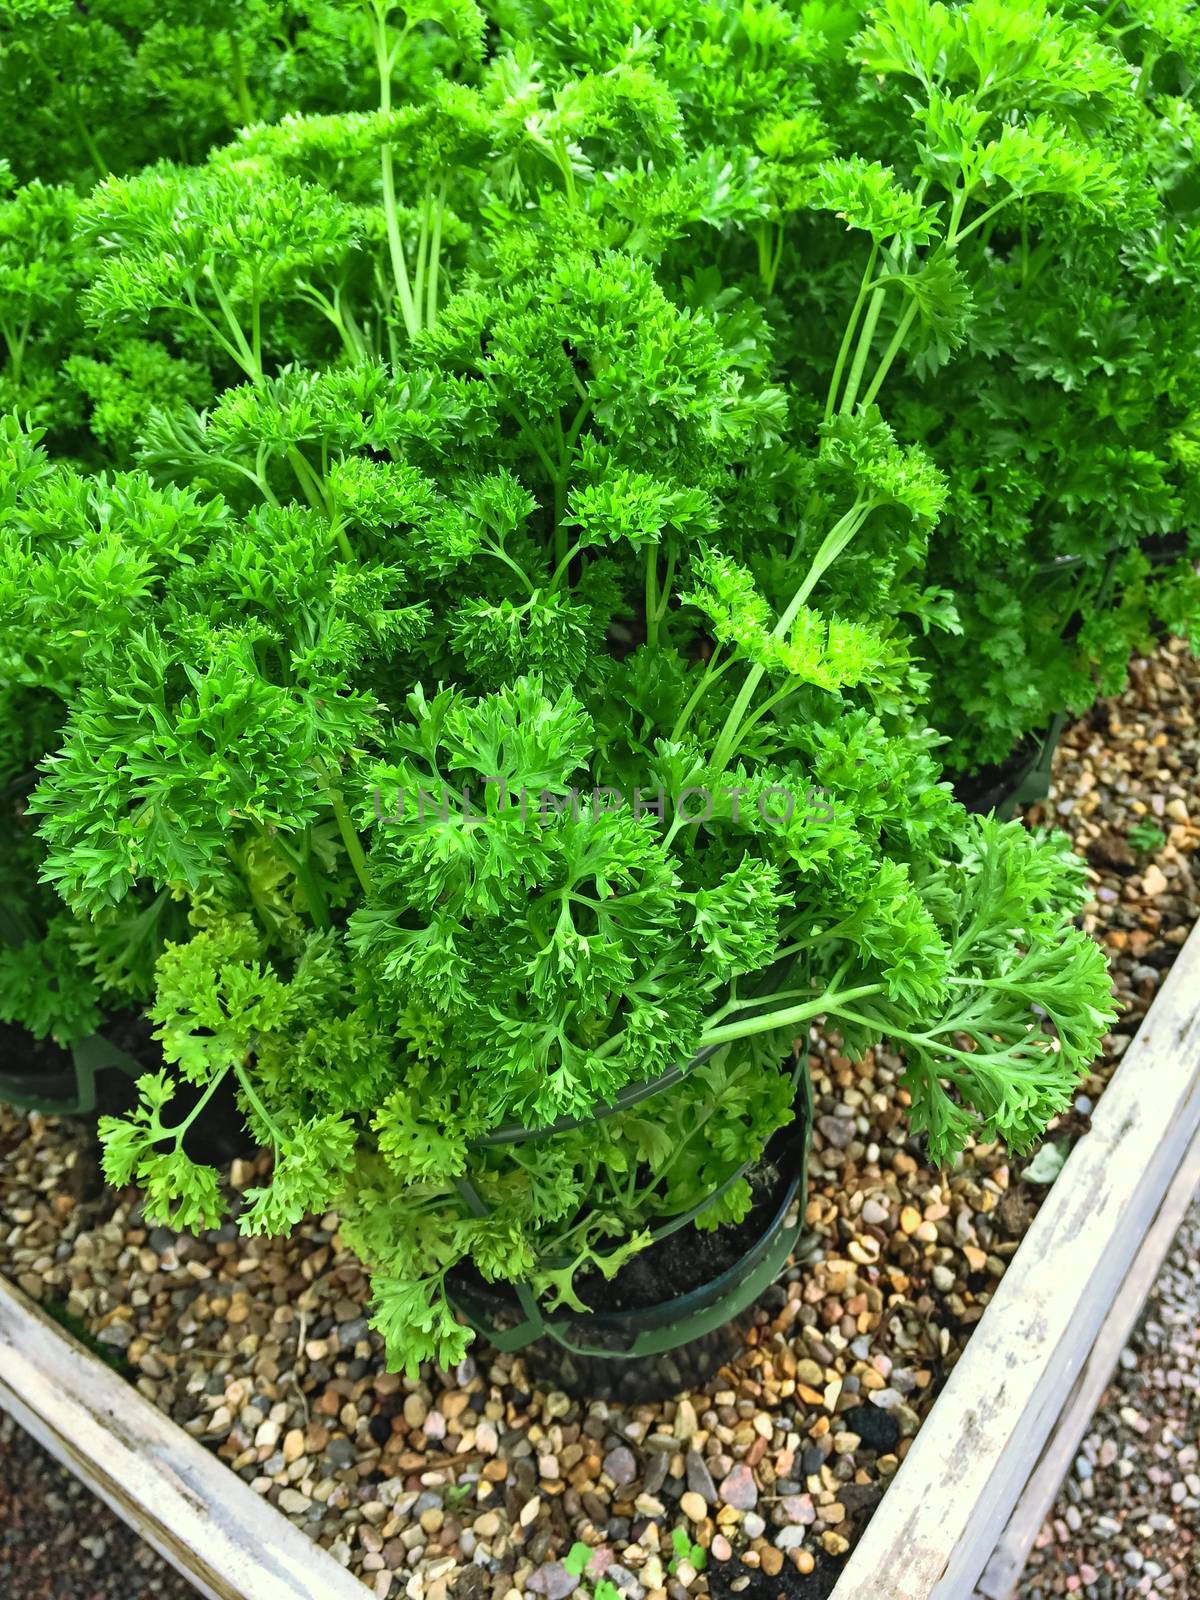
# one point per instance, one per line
(1127, 1518)
(57, 1542)
(474, 1483)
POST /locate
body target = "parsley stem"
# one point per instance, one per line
(767, 706)
(835, 932)
(89, 144)
(668, 579)
(746, 1002)
(248, 1090)
(652, 614)
(412, 318)
(890, 354)
(349, 834)
(531, 440)
(984, 217)
(422, 265)
(707, 678)
(922, 1041)
(435, 252)
(851, 325)
(256, 329)
(15, 342)
(825, 1005)
(262, 909)
(499, 553)
(865, 340)
(214, 333)
(253, 368)
(834, 542)
(768, 239)
(180, 1128)
(309, 482)
(338, 529)
(396, 246)
(238, 73)
(310, 885)
(348, 327)
(564, 562)
(577, 422)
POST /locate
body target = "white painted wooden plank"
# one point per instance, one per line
(1003, 1571)
(940, 1519)
(211, 1526)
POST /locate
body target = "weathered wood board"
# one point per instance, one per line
(1003, 1571)
(947, 1507)
(230, 1543)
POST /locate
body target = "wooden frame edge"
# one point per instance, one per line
(944, 1512)
(1003, 1572)
(197, 1513)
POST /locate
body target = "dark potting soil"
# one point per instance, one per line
(789, 1584)
(217, 1136)
(990, 786)
(26, 1057)
(23, 1055)
(877, 1428)
(687, 1259)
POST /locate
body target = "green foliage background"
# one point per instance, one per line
(757, 398)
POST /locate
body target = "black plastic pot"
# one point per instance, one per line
(97, 1076)
(66, 1082)
(1022, 779)
(658, 1350)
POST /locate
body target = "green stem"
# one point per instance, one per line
(240, 87)
(15, 343)
(958, 206)
(890, 354)
(865, 340)
(314, 893)
(339, 316)
(535, 444)
(256, 329)
(767, 706)
(746, 1002)
(435, 254)
(922, 1041)
(89, 144)
(310, 484)
(242, 358)
(707, 678)
(668, 579)
(249, 1091)
(338, 529)
(383, 61)
(248, 361)
(790, 1016)
(562, 157)
(422, 252)
(848, 336)
(652, 612)
(799, 945)
(181, 1128)
(498, 553)
(347, 325)
(564, 561)
(768, 238)
(834, 543)
(983, 218)
(262, 910)
(349, 835)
